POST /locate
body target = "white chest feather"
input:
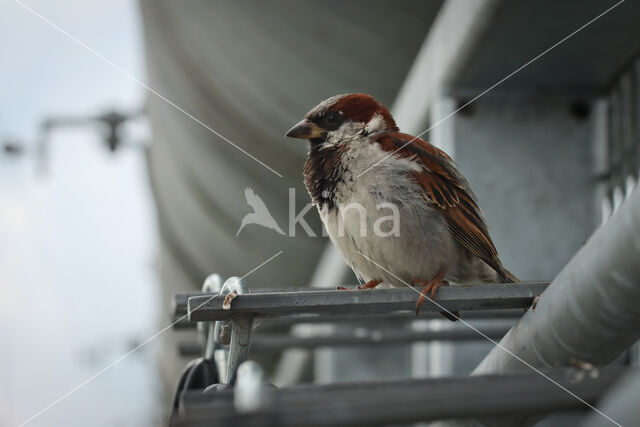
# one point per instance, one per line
(380, 214)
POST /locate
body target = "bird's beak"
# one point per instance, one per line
(306, 129)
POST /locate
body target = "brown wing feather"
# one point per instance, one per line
(444, 187)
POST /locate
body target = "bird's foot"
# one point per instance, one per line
(369, 285)
(429, 287)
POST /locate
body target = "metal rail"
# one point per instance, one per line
(280, 342)
(363, 302)
(183, 322)
(179, 311)
(179, 304)
(399, 402)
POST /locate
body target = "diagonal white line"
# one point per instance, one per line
(144, 85)
(514, 72)
(496, 343)
(265, 262)
(124, 356)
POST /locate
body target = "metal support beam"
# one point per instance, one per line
(400, 402)
(357, 302)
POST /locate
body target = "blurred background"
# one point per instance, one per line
(118, 190)
(78, 240)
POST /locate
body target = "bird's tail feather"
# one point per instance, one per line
(508, 276)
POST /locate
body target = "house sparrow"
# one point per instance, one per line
(359, 158)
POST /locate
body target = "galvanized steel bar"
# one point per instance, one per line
(362, 302)
(180, 308)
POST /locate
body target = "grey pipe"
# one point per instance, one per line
(589, 314)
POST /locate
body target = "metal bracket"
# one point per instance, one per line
(233, 333)
(239, 348)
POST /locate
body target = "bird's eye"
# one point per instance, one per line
(331, 121)
(332, 118)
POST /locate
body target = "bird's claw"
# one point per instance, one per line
(369, 285)
(429, 288)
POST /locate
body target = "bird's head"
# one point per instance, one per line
(342, 118)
